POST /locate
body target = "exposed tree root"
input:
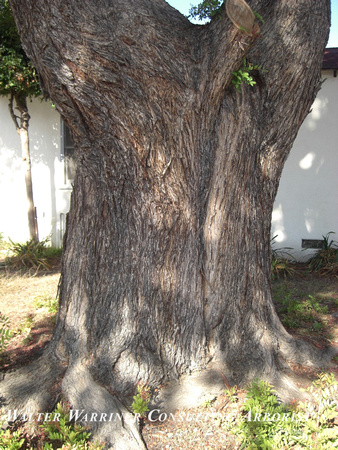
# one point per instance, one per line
(108, 419)
(301, 352)
(36, 388)
(32, 388)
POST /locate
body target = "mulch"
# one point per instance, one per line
(206, 427)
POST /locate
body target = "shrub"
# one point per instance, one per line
(31, 254)
(325, 260)
(280, 262)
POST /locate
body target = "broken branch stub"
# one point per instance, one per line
(242, 16)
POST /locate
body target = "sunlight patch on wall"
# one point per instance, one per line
(310, 216)
(320, 165)
(307, 162)
(319, 107)
(277, 222)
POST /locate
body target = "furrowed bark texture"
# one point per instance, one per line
(166, 262)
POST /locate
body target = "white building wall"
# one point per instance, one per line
(306, 205)
(51, 194)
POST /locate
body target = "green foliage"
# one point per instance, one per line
(53, 434)
(325, 260)
(208, 9)
(53, 252)
(261, 409)
(11, 440)
(321, 413)
(245, 74)
(232, 394)
(31, 254)
(296, 313)
(205, 10)
(17, 74)
(209, 401)
(5, 332)
(48, 302)
(141, 400)
(258, 16)
(64, 432)
(280, 264)
(268, 424)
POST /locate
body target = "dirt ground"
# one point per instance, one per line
(198, 428)
(32, 326)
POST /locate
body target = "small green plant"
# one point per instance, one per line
(209, 401)
(11, 440)
(268, 424)
(141, 400)
(258, 16)
(261, 408)
(320, 414)
(59, 433)
(317, 326)
(325, 260)
(5, 332)
(232, 394)
(296, 313)
(244, 75)
(48, 302)
(62, 433)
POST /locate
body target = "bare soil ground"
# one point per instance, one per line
(199, 428)
(20, 293)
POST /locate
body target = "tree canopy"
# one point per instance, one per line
(18, 76)
(19, 81)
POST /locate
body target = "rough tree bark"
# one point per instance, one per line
(166, 264)
(21, 124)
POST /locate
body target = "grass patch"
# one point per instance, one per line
(305, 307)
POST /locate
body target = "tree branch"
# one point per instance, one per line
(225, 46)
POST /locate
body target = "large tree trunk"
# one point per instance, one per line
(166, 264)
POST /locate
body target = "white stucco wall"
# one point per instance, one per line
(51, 195)
(306, 205)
